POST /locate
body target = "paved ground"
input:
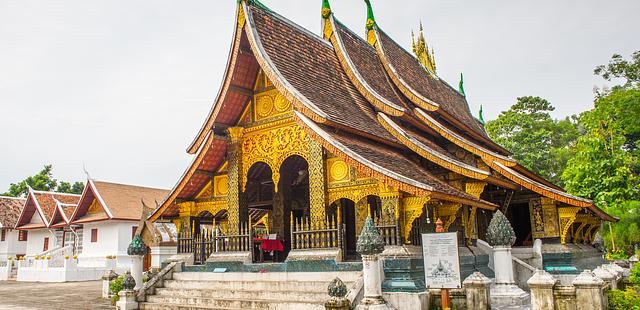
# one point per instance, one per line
(71, 295)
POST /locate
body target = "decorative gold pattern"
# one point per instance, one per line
(544, 218)
(241, 17)
(272, 146)
(371, 38)
(566, 217)
(221, 185)
(474, 189)
(95, 208)
(234, 181)
(269, 104)
(413, 207)
(316, 183)
(327, 30)
(448, 211)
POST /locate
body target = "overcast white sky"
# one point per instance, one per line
(122, 86)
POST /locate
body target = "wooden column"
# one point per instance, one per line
(234, 157)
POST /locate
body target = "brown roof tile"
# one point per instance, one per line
(125, 201)
(10, 209)
(311, 66)
(47, 201)
(412, 72)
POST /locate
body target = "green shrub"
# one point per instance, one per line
(115, 287)
(628, 299)
(634, 274)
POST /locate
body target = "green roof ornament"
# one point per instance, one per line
(480, 116)
(370, 242)
(371, 20)
(500, 232)
(137, 246)
(461, 85)
(326, 9)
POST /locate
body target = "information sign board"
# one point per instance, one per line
(441, 260)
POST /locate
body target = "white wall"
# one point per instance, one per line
(113, 239)
(11, 246)
(35, 241)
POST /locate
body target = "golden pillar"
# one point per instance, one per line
(234, 169)
(474, 189)
(317, 184)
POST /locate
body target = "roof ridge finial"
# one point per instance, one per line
(371, 19)
(480, 116)
(326, 9)
(461, 85)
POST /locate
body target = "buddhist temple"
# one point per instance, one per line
(310, 134)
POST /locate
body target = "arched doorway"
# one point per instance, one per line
(258, 202)
(345, 211)
(292, 198)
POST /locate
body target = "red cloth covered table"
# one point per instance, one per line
(272, 245)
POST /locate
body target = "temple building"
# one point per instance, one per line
(310, 134)
(12, 242)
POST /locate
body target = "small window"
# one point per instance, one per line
(94, 235)
(22, 235)
(133, 231)
(3, 234)
(46, 244)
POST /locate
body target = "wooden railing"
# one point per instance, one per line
(389, 230)
(238, 242)
(314, 234)
(206, 242)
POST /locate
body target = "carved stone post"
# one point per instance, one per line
(127, 295)
(234, 179)
(107, 277)
(589, 291)
(337, 290)
(606, 276)
(541, 285)
(370, 244)
(477, 290)
(501, 236)
(137, 250)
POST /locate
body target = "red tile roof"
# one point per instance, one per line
(10, 209)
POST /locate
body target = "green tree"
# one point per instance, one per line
(618, 67)
(43, 181)
(605, 164)
(537, 141)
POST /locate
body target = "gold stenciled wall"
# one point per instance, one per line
(544, 218)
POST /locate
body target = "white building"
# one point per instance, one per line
(11, 241)
(42, 235)
(110, 214)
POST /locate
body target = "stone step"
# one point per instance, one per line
(227, 303)
(160, 306)
(306, 286)
(269, 295)
(345, 276)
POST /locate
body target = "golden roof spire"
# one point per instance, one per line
(422, 52)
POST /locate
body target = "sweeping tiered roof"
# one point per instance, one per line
(371, 103)
(46, 205)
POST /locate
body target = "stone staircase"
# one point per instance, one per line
(244, 290)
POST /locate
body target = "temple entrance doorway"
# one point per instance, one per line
(346, 215)
(292, 198)
(259, 197)
(518, 215)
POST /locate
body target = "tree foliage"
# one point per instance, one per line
(43, 181)
(537, 141)
(605, 164)
(618, 67)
